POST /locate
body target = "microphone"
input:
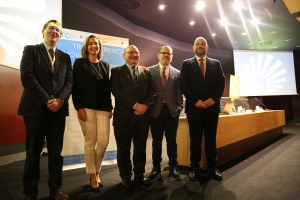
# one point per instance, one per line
(262, 104)
(244, 103)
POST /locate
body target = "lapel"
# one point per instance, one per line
(196, 65)
(44, 54)
(125, 72)
(141, 74)
(156, 74)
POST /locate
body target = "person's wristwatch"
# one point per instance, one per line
(61, 101)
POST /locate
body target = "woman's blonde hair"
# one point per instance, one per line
(84, 48)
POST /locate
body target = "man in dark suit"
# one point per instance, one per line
(134, 91)
(165, 112)
(47, 80)
(202, 83)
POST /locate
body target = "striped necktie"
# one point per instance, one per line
(135, 78)
(51, 52)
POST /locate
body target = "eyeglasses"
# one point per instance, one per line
(54, 28)
(166, 53)
(132, 52)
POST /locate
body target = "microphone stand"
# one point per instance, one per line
(262, 104)
(244, 103)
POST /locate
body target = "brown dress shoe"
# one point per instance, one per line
(58, 194)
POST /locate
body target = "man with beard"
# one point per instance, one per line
(202, 83)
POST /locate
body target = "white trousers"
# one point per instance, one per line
(96, 136)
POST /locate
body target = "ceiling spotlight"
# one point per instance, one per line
(274, 1)
(200, 5)
(288, 40)
(244, 33)
(213, 34)
(298, 46)
(162, 7)
(192, 23)
(273, 32)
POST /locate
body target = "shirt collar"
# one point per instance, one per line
(160, 66)
(48, 47)
(204, 58)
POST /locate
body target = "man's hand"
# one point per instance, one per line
(209, 102)
(199, 104)
(140, 109)
(81, 114)
(110, 114)
(54, 105)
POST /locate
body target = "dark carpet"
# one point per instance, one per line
(268, 172)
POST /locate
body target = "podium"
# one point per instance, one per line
(236, 135)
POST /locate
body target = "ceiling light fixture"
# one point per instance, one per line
(273, 32)
(213, 34)
(298, 45)
(162, 7)
(200, 5)
(287, 40)
(244, 33)
(224, 22)
(192, 23)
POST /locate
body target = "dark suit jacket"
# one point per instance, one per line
(195, 87)
(127, 94)
(171, 92)
(40, 83)
(84, 93)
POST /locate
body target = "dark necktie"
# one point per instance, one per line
(163, 78)
(201, 63)
(135, 78)
(51, 52)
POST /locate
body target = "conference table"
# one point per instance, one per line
(236, 135)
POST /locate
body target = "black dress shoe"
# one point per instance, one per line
(30, 198)
(193, 175)
(142, 181)
(155, 170)
(174, 172)
(126, 183)
(100, 184)
(95, 189)
(215, 174)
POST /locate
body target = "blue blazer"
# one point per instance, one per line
(40, 83)
(194, 86)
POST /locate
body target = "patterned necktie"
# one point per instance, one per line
(51, 52)
(135, 78)
(163, 78)
(201, 63)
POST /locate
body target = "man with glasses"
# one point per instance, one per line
(165, 111)
(46, 76)
(134, 92)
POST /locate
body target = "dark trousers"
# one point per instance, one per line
(138, 133)
(164, 123)
(205, 123)
(52, 127)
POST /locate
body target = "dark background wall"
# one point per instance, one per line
(77, 17)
